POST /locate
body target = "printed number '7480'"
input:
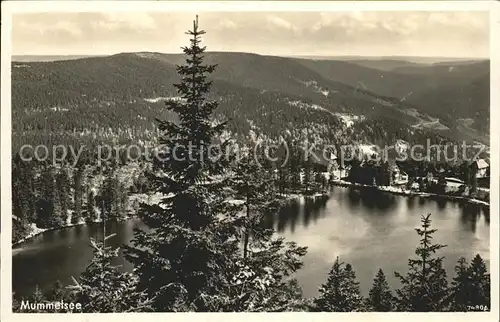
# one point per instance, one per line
(477, 308)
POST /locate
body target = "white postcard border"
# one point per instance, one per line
(11, 7)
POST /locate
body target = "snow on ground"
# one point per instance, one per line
(128, 173)
(337, 174)
(134, 201)
(35, 231)
(383, 102)
(96, 183)
(236, 202)
(349, 119)
(454, 182)
(317, 107)
(303, 105)
(401, 190)
(324, 92)
(318, 89)
(59, 109)
(150, 199)
(401, 145)
(163, 98)
(146, 55)
(368, 149)
(363, 85)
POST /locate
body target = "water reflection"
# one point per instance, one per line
(309, 209)
(307, 213)
(367, 203)
(366, 228)
(486, 212)
(293, 212)
(469, 215)
(354, 197)
(283, 215)
(269, 221)
(441, 203)
(410, 202)
(375, 200)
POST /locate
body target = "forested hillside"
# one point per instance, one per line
(454, 102)
(85, 102)
(269, 95)
(448, 91)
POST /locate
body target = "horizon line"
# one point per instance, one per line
(261, 54)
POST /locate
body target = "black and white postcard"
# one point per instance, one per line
(291, 157)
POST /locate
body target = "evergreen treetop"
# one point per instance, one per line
(340, 293)
(424, 288)
(380, 298)
(180, 259)
(102, 288)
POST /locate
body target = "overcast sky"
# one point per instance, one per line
(443, 34)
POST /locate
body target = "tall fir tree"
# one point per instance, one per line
(307, 176)
(48, 206)
(319, 179)
(23, 190)
(283, 176)
(251, 185)
(424, 287)
(191, 259)
(102, 288)
(470, 287)
(460, 295)
(294, 164)
(263, 280)
(340, 293)
(38, 296)
(90, 212)
(123, 201)
(110, 196)
(269, 169)
(20, 201)
(180, 259)
(63, 192)
(78, 194)
(380, 298)
(58, 292)
(480, 283)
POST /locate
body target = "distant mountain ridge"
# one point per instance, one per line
(406, 59)
(49, 58)
(268, 94)
(358, 59)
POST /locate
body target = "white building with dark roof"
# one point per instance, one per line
(480, 167)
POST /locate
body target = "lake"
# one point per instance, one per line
(366, 228)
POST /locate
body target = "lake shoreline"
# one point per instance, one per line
(339, 224)
(282, 201)
(286, 198)
(410, 193)
(38, 231)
